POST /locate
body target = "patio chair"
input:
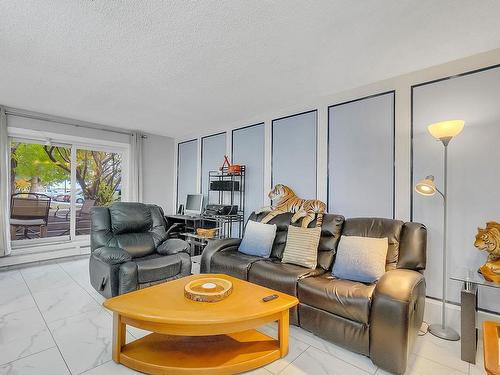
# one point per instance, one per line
(29, 210)
(82, 215)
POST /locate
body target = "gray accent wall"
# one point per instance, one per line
(213, 149)
(248, 149)
(158, 154)
(473, 173)
(294, 153)
(361, 157)
(187, 163)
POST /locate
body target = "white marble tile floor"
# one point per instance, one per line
(52, 322)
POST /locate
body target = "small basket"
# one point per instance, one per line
(207, 232)
(231, 168)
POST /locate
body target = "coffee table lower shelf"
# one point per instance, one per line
(220, 354)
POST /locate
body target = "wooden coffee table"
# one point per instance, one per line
(199, 337)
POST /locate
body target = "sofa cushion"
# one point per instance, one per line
(377, 228)
(413, 247)
(130, 217)
(258, 239)
(348, 299)
(155, 267)
(301, 247)
(330, 235)
(279, 276)
(233, 263)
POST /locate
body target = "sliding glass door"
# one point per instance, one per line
(54, 186)
(99, 183)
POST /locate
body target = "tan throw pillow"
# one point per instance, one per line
(302, 246)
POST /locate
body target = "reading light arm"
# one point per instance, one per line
(441, 193)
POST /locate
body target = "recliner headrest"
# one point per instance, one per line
(129, 217)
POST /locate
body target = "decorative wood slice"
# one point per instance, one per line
(208, 289)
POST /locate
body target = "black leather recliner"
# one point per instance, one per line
(130, 249)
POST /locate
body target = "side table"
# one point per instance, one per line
(197, 243)
(468, 311)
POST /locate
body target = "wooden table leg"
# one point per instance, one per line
(119, 334)
(283, 325)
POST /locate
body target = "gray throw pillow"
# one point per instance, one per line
(360, 258)
(258, 239)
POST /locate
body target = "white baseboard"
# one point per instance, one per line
(433, 315)
(45, 253)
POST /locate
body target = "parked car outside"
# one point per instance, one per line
(79, 198)
(67, 197)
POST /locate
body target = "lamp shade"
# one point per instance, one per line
(446, 130)
(426, 186)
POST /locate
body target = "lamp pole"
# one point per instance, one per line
(440, 330)
(443, 131)
(445, 235)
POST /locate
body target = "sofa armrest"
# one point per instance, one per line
(397, 311)
(112, 255)
(128, 277)
(213, 247)
(104, 266)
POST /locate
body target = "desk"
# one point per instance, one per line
(196, 242)
(468, 311)
(184, 217)
(189, 232)
(191, 222)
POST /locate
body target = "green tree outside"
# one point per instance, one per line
(34, 166)
(30, 162)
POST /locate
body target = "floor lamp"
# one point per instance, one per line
(443, 131)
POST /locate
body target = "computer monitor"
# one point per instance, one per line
(194, 204)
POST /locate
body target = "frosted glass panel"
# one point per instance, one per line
(187, 158)
(213, 149)
(294, 153)
(473, 173)
(248, 149)
(361, 157)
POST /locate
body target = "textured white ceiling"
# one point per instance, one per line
(178, 67)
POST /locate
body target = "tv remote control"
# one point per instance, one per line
(270, 298)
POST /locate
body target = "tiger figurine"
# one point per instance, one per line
(287, 201)
(488, 239)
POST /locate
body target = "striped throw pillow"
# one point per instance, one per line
(302, 246)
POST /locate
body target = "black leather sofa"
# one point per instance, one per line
(378, 320)
(130, 249)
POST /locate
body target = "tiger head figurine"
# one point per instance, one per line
(279, 191)
(488, 239)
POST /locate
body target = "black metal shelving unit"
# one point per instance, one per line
(227, 223)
